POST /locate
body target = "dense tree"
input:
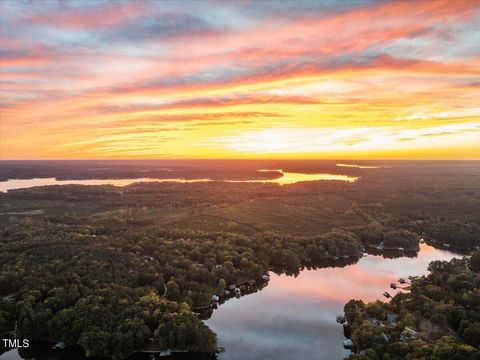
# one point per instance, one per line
(435, 312)
(471, 334)
(108, 261)
(475, 262)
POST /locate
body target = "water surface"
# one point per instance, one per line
(358, 166)
(294, 318)
(283, 179)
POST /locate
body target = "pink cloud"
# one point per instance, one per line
(105, 16)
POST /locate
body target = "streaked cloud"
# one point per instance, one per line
(228, 79)
(351, 140)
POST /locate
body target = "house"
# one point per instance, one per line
(340, 319)
(408, 334)
(348, 344)
(386, 337)
(392, 319)
(411, 331)
(215, 298)
(218, 266)
(265, 277)
(59, 346)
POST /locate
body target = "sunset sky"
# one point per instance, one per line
(240, 79)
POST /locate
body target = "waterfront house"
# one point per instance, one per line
(408, 334)
(392, 319)
(59, 346)
(238, 293)
(386, 337)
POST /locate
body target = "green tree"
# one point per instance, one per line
(471, 334)
(475, 261)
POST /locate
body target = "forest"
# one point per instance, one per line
(119, 269)
(435, 317)
(82, 283)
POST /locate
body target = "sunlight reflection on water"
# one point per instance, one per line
(284, 179)
(294, 317)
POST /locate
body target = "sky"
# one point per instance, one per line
(96, 79)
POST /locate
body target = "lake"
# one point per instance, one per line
(297, 315)
(283, 179)
(294, 317)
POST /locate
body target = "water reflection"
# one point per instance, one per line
(296, 315)
(283, 179)
(28, 183)
(292, 178)
(359, 166)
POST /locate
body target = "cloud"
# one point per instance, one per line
(452, 114)
(30, 57)
(321, 140)
(72, 70)
(100, 16)
(206, 118)
(164, 27)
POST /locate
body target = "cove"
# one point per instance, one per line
(294, 316)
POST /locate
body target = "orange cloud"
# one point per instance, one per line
(95, 17)
(99, 80)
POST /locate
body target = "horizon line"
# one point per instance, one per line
(245, 159)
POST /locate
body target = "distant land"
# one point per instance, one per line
(154, 260)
